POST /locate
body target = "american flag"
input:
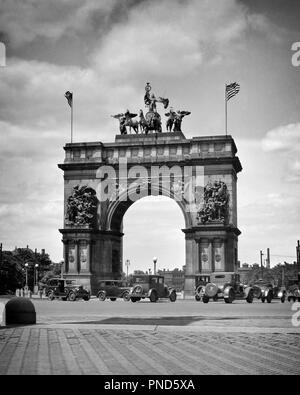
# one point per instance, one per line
(69, 97)
(232, 90)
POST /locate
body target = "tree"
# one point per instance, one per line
(13, 270)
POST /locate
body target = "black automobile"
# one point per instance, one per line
(58, 288)
(263, 290)
(152, 287)
(113, 289)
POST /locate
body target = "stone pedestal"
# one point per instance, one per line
(210, 248)
(90, 255)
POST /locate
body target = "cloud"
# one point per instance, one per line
(285, 138)
(24, 22)
(285, 141)
(172, 38)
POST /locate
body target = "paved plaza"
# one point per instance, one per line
(182, 338)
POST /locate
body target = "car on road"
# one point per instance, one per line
(293, 290)
(280, 293)
(263, 290)
(226, 286)
(113, 289)
(58, 288)
(152, 287)
(201, 282)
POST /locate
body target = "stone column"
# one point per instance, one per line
(65, 255)
(189, 280)
(77, 260)
(205, 255)
(218, 255)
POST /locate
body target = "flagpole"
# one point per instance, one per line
(72, 117)
(225, 112)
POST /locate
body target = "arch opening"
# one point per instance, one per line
(152, 228)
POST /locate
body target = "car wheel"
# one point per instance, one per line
(113, 299)
(125, 296)
(250, 297)
(135, 299)
(51, 295)
(205, 299)
(101, 296)
(153, 297)
(230, 298)
(86, 298)
(173, 297)
(197, 297)
(72, 297)
(269, 298)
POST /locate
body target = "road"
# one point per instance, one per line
(164, 338)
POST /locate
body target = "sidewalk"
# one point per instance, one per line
(73, 349)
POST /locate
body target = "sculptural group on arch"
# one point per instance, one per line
(151, 120)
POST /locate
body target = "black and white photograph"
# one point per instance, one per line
(149, 190)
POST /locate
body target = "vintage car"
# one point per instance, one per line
(226, 286)
(280, 293)
(263, 290)
(66, 290)
(201, 282)
(293, 290)
(152, 287)
(113, 289)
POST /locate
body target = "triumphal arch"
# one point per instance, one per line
(149, 157)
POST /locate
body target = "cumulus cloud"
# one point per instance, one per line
(172, 38)
(285, 138)
(285, 141)
(25, 21)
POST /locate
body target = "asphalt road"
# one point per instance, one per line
(182, 313)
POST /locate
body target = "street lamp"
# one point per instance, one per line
(26, 273)
(127, 264)
(35, 276)
(154, 262)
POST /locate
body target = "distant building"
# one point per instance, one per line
(173, 278)
(243, 271)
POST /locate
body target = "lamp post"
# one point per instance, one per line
(127, 264)
(26, 274)
(35, 275)
(154, 263)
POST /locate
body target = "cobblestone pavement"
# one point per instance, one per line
(88, 350)
(182, 338)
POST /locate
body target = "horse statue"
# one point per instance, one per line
(125, 120)
(152, 121)
(171, 119)
(178, 120)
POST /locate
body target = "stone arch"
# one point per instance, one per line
(117, 209)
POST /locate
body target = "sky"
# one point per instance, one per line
(105, 51)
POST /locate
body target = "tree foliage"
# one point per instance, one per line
(13, 270)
